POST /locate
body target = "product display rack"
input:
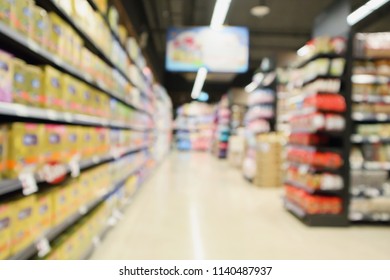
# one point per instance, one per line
(338, 144)
(370, 165)
(53, 233)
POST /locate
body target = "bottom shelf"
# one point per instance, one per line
(320, 220)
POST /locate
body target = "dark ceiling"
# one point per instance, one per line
(277, 35)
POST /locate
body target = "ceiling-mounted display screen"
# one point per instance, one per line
(224, 50)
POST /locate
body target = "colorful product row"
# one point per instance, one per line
(315, 158)
(315, 181)
(317, 122)
(314, 204)
(28, 146)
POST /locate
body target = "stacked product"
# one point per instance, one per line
(236, 150)
(222, 133)
(260, 119)
(316, 190)
(370, 157)
(194, 126)
(75, 134)
(283, 96)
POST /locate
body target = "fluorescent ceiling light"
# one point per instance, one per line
(199, 82)
(220, 12)
(365, 10)
(303, 51)
(260, 11)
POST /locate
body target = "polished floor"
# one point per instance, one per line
(198, 207)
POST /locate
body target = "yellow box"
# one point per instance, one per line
(100, 141)
(52, 88)
(75, 197)
(23, 222)
(21, 16)
(44, 212)
(5, 11)
(57, 38)
(77, 47)
(5, 231)
(20, 83)
(61, 204)
(6, 76)
(87, 142)
(71, 93)
(24, 148)
(73, 142)
(40, 26)
(54, 142)
(36, 97)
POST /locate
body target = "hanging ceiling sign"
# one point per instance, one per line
(223, 50)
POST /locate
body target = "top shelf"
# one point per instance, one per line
(315, 57)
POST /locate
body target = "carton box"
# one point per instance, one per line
(34, 79)
(20, 83)
(6, 76)
(6, 8)
(24, 149)
(77, 47)
(40, 26)
(52, 88)
(23, 223)
(73, 142)
(87, 142)
(21, 18)
(70, 93)
(3, 147)
(44, 212)
(61, 204)
(57, 39)
(54, 143)
(101, 141)
(5, 231)
(87, 99)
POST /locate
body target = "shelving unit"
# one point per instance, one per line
(370, 166)
(136, 107)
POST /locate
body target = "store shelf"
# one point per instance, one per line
(28, 113)
(53, 233)
(312, 148)
(369, 218)
(323, 220)
(315, 169)
(365, 79)
(41, 54)
(332, 133)
(12, 186)
(360, 139)
(319, 77)
(371, 98)
(311, 190)
(370, 117)
(317, 56)
(373, 165)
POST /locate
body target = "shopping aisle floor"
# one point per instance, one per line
(198, 207)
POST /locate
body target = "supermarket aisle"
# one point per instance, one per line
(197, 207)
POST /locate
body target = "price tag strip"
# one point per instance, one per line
(29, 183)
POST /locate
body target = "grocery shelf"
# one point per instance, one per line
(307, 189)
(328, 220)
(28, 113)
(318, 77)
(312, 148)
(14, 185)
(371, 98)
(373, 218)
(373, 165)
(53, 233)
(314, 169)
(317, 56)
(334, 133)
(41, 54)
(359, 139)
(370, 117)
(370, 79)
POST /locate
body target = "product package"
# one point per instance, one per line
(20, 83)
(44, 212)
(40, 26)
(52, 88)
(5, 230)
(21, 18)
(54, 143)
(36, 97)
(6, 76)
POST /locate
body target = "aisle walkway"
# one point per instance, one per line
(197, 207)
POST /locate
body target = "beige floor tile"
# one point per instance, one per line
(198, 207)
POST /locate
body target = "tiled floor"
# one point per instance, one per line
(198, 207)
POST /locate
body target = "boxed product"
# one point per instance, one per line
(44, 212)
(54, 142)
(61, 204)
(67, 51)
(24, 149)
(52, 88)
(101, 141)
(71, 93)
(87, 142)
(6, 76)
(5, 231)
(34, 79)
(40, 26)
(75, 195)
(77, 47)
(5, 11)
(73, 141)
(23, 223)
(20, 84)
(87, 94)
(21, 17)
(57, 39)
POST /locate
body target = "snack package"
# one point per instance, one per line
(40, 26)
(44, 212)
(21, 19)
(5, 230)
(54, 142)
(6, 76)
(52, 88)
(20, 83)
(36, 98)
